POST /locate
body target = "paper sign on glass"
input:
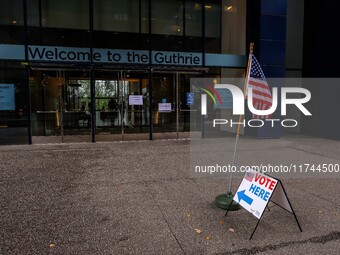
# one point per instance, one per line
(164, 107)
(135, 100)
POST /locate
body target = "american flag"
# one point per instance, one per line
(249, 176)
(262, 97)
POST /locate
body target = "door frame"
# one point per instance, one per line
(60, 72)
(149, 72)
(120, 75)
(176, 81)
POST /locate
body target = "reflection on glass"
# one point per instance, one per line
(33, 13)
(212, 20)
(60, 106)
(234, 27)
(116, 114)
(193, 19)
(167, 17)
(65, 14)
(11, 12)
(145, 16)
(118, 15)
(164, 92)
(13, 105)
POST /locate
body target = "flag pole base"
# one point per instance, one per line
(223, 201)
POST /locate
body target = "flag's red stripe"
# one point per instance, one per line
(257, 97)
(269, 104)
(260, 93)
(256, 88)
(261, 85)
(259, 80)
(262, 116)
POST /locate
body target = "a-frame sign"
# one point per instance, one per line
(257, 190)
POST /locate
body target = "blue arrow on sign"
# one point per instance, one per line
(244, 197)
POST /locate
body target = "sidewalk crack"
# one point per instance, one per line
(164, 218)
(333, 236)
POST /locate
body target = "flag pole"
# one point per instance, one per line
(240, 118)
(224, 201)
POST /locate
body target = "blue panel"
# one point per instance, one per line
(12, 52)
(272, 53)
(225, 60)
(270, 34)
(268, 132)
(276, 7)
(273, 71)
(273, 27)
(7, 97)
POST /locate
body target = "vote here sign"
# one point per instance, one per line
(254, 192)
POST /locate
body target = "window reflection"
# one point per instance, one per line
(13, 105)
(145, 16)
(167, 17)
(118, 15)
(33, 13)
(234, 27)
(212, 20)
(65, 14)
(193, 18)
(11, 12)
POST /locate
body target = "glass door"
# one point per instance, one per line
(164, 105)
(121, 104)
(60, 101)
(173, 104)
(189, 114)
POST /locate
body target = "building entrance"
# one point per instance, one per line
(128, 105)
(60, 105)
(122, 105)
(173, 104)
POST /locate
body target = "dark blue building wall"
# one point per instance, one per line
(321, 58)
(266, 27)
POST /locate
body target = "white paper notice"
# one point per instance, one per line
(164, 107)
(135, 100)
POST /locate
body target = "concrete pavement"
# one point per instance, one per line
(139, 198)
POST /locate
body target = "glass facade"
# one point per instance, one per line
(33, 13)
(144, 15)
(74, 101)
(118, 15)
(212, 20)
(60, 101)
(234, 27)
(13, 12)
(175, 25)
(14, 105)
(122, 105)
(193, 18)
(167, 17)
(65, 14)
